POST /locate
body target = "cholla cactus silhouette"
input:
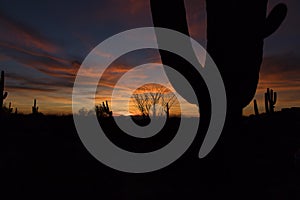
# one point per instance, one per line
(103, 110)
(35, 109)
(3, 94)
(235, 35)
(270, 100)
(256, 112)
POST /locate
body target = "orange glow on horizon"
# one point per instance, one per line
(60, 101)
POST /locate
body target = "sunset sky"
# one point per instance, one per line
(43, 43)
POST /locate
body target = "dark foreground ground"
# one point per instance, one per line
(43, 157)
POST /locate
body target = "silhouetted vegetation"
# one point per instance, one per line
(103, 110)
(235, 38)
(147, 98)
(270, 100)
(4, 109)
(256, 112)
(258, 160)
(35, 109)
(3, 94)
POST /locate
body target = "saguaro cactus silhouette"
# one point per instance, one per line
(270, 100)
(235, 35)
(3, 94)
(10, 109)
(103, 110)
(35, 109)
(238, 51)
(106, 108)
(255, 107)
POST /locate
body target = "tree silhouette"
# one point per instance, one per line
(168, 100)
(147, 97)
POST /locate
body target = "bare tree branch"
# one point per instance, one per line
(147, 97)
